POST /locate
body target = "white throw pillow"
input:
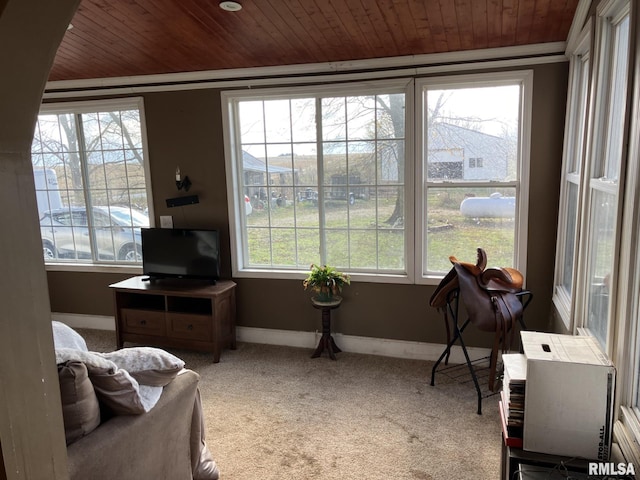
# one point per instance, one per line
(66, 337)
(148, 365)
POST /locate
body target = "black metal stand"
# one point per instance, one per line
(452, 307)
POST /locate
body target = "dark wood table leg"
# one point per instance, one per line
(326, 341)
(334, 347)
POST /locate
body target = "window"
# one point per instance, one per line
(90, 175)
(605, 160)
(324, 172)
(598, 260)
(325, 169)
(473, 140)
(475, 162)
(574, 150)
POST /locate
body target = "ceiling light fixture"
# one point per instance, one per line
(230, 6)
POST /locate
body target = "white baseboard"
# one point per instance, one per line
(347, 343)
(78, 320)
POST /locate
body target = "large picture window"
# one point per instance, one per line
(90, 177)
(327, 175)
(321, 177)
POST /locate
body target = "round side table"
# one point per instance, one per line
(326, 341)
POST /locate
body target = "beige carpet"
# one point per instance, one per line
(275, 413)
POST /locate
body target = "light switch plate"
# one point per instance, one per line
(166, 221)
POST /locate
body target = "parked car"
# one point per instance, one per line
(65, 233)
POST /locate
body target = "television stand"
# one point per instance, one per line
(159, 278)
(187, 314)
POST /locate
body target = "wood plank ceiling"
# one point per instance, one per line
(116, 38)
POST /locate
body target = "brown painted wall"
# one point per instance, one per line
(185, 129)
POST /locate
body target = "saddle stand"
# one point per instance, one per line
(453, 300)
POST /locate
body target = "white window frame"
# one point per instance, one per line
(521, 184)
(627, 348)
(573, 171)
(626, 354)
(80, 107)
(233, 153)
(414, 209)
(609, 12)
(623, 332)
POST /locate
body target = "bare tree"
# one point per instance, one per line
(395, 110)
(64, 139)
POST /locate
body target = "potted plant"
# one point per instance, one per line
(326, 281)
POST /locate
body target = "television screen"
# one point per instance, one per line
(182, 253)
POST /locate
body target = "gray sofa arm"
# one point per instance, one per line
(133, 447)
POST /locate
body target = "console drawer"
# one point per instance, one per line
(190, 326)
(146, 322)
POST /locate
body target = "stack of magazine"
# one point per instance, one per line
(513, 388)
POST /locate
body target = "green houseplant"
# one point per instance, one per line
(326, 281)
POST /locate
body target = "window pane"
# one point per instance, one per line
(338, 250)
(282, 239)
(471, 135)
(390, 166)
(259, 245)
(361, 113)
(362, 245)
(336, 208)
(303, 112)
(92, 159)
(618, 100)
(601, 251)
(472, 123)
(578, 116)
(277, 117)
(308, 246)
(281, 211)
(334, 160)
(570, 236)
(251, 121)
(390, 116)
(462, 219)
(334, 116)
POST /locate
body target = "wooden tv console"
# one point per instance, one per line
(177, 313)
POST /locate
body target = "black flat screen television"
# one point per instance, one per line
(181, 253)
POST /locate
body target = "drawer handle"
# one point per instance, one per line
(189, 327)
(143, 322)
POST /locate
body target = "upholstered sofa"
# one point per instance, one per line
(130, 414)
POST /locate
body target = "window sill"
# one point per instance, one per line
(91, 268)
(301, 275)
(562, 303)
(626, 433)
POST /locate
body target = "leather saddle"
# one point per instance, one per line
(489, 297)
